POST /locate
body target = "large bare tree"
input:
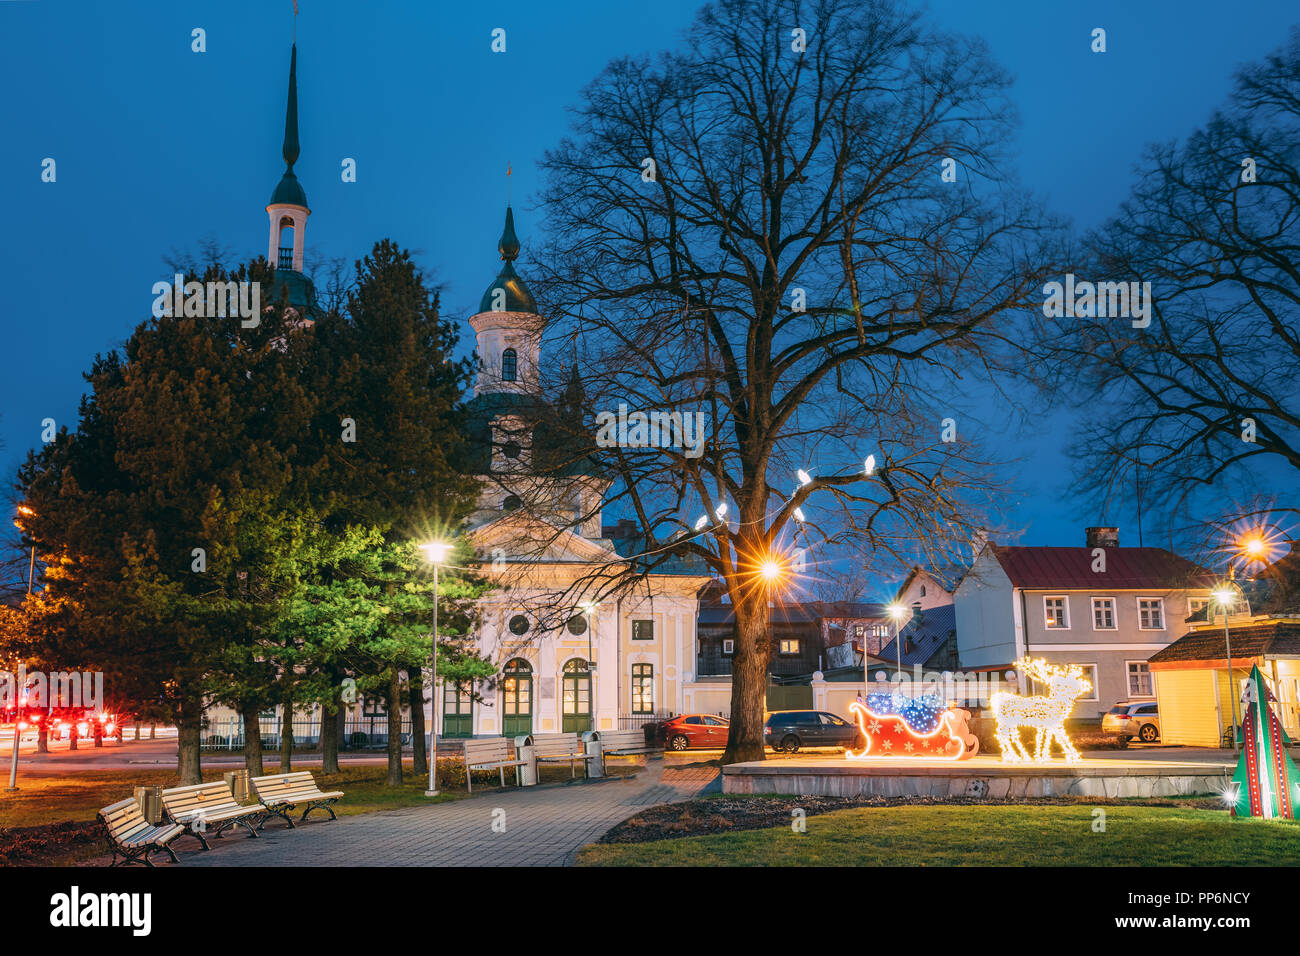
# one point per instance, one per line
(1200, 409)
(800, 226)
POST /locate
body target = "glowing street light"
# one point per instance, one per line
(772, 570)
(721, 511)
(804, 477)
(897, 612)
(869, 465)
(26, 512)
(1225, 597)
(435, 552)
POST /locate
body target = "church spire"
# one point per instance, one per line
(290, 148)
(288, 210)
(508, 245)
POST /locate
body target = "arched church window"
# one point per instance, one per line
(511, 449)
(284, 260)
(509, 365)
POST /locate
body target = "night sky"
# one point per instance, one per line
(159, 148)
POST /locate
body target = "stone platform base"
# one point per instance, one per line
(977, 777)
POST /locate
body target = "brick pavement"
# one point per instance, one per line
(542, 826)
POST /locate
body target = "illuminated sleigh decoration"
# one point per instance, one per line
(920, 727)
(1044, 715)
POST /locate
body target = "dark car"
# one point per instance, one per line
(789, 730)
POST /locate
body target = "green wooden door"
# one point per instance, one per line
(575, 698)
(517, 700)
(457, 710)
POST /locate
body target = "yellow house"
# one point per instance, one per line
(1198, 694)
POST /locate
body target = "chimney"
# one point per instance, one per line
(1102, 537)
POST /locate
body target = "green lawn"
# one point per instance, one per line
(994, 835)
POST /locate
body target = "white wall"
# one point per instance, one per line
(987, 618)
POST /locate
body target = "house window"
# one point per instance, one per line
(643, 630)
(728, 646)
(1139, 679)
(789, 646)
(922, 590)
(857, 632)
(1103, 614)
(1151, 614)
(880, 630)
(374, 707)
(1196, 606)
(1089, 674)
(509, 365)
(643, 689)
(1054, 610)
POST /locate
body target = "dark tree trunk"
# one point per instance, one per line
(394, 729)
(72, 736)
(749, 679)
(418, 744)
(189, 725)
(97, 731)
(329, 738)
(253, 741)
(153, 731)
(136, 728)
(43, 738)
(286, 735)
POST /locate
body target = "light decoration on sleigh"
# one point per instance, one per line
(896, 725)
(1043, 715)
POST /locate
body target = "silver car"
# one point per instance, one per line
(1140, 719)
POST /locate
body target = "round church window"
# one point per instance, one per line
(578, 624)
(519, 624)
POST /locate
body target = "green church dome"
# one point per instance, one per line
(517, 297)
(289, 192)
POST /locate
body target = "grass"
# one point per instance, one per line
(981, 836)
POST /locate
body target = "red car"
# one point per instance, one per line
(696, 730)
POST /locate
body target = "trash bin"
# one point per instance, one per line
(150, 800)
(237, 781)
(525, 751)
(595, 754)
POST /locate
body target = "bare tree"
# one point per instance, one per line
(1206, 398)
(799, 228)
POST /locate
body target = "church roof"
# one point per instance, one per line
(302, 294)
(517, 296)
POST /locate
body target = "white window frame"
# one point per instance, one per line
(1163, 620)
(1203, 602)
(1065, 607)
(1114, 614)
(1151, 679)
(1094, 678)
(780, 645)
(728, 645)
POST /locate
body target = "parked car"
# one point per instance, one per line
(789, 730)
(1127, 719)
(696, 730)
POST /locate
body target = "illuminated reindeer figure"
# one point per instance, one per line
(1046, 715)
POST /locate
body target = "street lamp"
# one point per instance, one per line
(897, 612)
(1224, 597)
(435, 552)
(31, 571)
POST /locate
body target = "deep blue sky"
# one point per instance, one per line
(159, 147)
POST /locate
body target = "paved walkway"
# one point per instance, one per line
(537, 826)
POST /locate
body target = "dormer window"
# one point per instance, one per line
(509, 365)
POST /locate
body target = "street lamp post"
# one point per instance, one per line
(896, 611)
(435, 552)
(13, 755)
(1224, 597)
(589, 609)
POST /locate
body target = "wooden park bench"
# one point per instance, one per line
(282, 793)
(553, 747)
(134, 837)
(204, 805)
(492, 753)
(626, 743)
